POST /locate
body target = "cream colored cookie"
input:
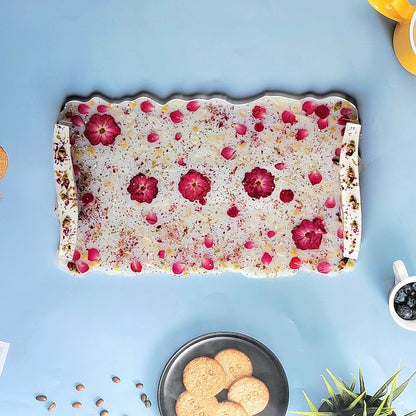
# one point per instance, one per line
(3, 162)
(188, 405)
(204, 377)
(235, 363)
(251, 393)
(228, 408)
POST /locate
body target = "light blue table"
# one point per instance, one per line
(64, 330)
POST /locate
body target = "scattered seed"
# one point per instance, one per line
(139, 385)
(99, 402)
(147, 403)
(77, 405)
(104, 412)
(80, 387)
(51, 407)
(41, 398)
(116, 379)
(143, 397)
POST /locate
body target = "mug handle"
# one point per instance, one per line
(398, 10)
(400, 272)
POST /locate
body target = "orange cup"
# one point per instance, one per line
(404, 38)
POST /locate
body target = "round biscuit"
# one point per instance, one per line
(228, 408)
(204, 377)
(3, 162)
(251, 393)
(188, 405)
(236, 365)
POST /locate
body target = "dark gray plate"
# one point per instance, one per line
(266, 367)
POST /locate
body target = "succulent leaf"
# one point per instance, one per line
(383, 389)
(311, 405)
(345, 393)
(411, 413)
(353, 382)
(397, 392)
(356, 401)
(361, 379)
(334, 402)
(381, 407)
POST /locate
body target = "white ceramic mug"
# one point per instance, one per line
(401, 279)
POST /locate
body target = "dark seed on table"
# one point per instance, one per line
(116, 379)
(80, 387)
(147, 403)
(139, 385)
(77, 405)
(104, 413)
(143, 397)
(99, 402)
(41, 398)
(51, 407)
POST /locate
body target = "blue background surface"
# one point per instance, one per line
(65, 330)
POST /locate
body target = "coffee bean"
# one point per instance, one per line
(99, 402)
(116, 379)
(143, 397)
(147, 403)
(139, 385)
(51, 407)
(104, 413)
(80, 387)
(77, 405)
(41, 398)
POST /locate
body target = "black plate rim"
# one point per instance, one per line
(217, 334)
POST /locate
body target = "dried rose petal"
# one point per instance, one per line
(207, 263)
(76, 256)
(136, 266)
(181, 162)
(258, 112)
(93, 254)
(322, 123)
(176, 116)
(228, 153)
(102, 108)
(324, 267)
(152, 137)
(286, 195)
(241, 129)
(178, 136)
(249, 245)
(209, 242)
(77, 121)
(233, 211)
(280, 166)
(82, 267)
(271, 233)
(87, 199)
(147, 107)
(322, 111)
(161, 254)
(288, 117)
(302, 134)
(151, 218)
(77, 170)
(259, 127)
(193, 105)
(340, 232)
(83, 108)
(330, 202)
(308, 107)
(266, 259)
(295, 263)
(178, 267)
(315, 177)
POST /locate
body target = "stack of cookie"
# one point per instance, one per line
(205, 377)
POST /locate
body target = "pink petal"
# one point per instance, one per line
(240, 129)
(181, 162)
(340, 232)
(346, 112)
(322, 123)
(324, 267)
(249, 244)
(176, 116)
(302, 134)
(322, 111)
(76, 256)
(178, 267)
(308, 107)
(82, 267)
(330, 202)
(136, 266)
(259, 127)
(77, 121)
(280, 166)
(146, 107)
(338, 151)
(83, 108)
(288, 117)
(207, 263)
(259, 112)
(77, 170)
(102, 108)
(161, 254)
(209, 242)
(193, 105)
(151, 218)
(228, 153)
(93, 254)
(286, 195)
(266, 259)
(271, 233)
(233, 211)
(315, 177)
(178, 136)
(295, 263)
(152, 137)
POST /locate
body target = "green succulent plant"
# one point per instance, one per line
(344, 401)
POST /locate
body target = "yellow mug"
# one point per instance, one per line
(404, 38)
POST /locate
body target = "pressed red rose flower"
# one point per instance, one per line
(302, 134)
(286, 195)
(259, 112)
(233, 211)
(308, 234)
(288, 117)
(101, 129)
(136, 266)
(146, 107)
(295, 263)
(194, 186)
(87, 199)
(176, 116)
(266, 259)
(308, 107)
(322, 111)
(258, 183)
(241, 129)
(142, 188)
(193, 105)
